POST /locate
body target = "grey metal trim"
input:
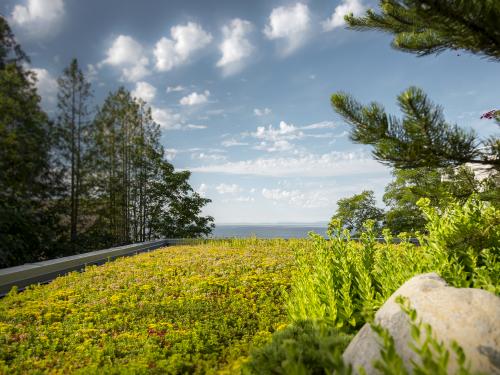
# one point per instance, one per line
(48, 270)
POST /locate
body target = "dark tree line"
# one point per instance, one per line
(87, 179)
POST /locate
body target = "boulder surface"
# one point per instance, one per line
(471, 317)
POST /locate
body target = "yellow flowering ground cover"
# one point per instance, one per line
(184, 309)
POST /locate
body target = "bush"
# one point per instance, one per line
(465, 242)
(342, 282)
(301, 348)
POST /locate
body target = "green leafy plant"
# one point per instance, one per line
(301, 348)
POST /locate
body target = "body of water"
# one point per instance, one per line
(266, 231)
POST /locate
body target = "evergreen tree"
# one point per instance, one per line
(10, 51)
(28, 223)
(73, 128)
(431, 26)
(138, 194)
(421, 139)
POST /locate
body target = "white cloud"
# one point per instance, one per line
(308, 199)
(170, 120)
(277, 139)
(337, 18)
(185, 41)
(274, 146)
(144, 91)
(38, 17)
(193, 126)
(261, 112)
(175, 89)
(194, 98)
(245, 199)
(233, 142)
(171, 153)
(235, 46)
(127, 53)
(290, 24)
(320, 125)
(167, 119)
(228, 189)
(202, 189)
(305, 165)
(46, 86)
(208, 156)
(284, 131)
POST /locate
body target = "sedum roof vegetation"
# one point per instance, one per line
(184, 309)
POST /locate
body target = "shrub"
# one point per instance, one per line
(301, 348)
(465, 242)
(341, 282)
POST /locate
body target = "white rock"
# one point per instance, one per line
(469, 316)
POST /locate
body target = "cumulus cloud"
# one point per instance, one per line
(47, 87)
(288, 131)
(305, 165)
(144, 91)
(128, 54)
(277, 139)
(184, 42)
(261, 112)
(195, 99)
(289, 24)
(228, 189)
(166, 118)
(235, 47)
(170, 120)
(38, 17)
(337, 18)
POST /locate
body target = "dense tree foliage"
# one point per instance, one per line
(81, 182)
(431, 26)
(354, 211)
(28, 218)
(440, 186)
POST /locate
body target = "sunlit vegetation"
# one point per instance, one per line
(339, 284)
(239, 306)
(186, 309)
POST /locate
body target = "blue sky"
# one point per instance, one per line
(241, 90)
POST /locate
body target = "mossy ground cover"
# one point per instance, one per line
(185, 309)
